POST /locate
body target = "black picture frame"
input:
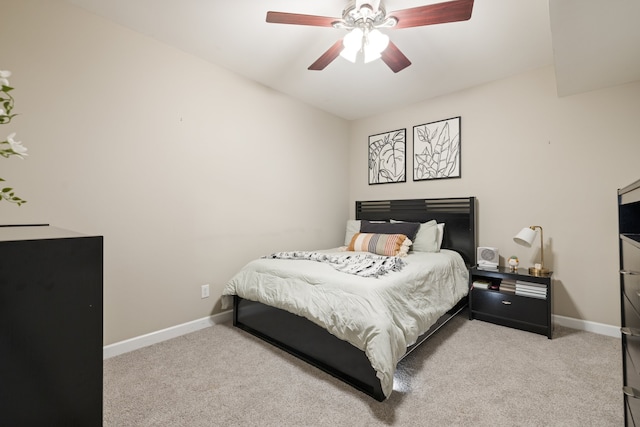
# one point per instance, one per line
(387, 157)
(437, 150)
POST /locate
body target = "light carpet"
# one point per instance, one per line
(470, 373)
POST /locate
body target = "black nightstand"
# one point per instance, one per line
(512, 298)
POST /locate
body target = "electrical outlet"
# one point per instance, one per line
(204, 291)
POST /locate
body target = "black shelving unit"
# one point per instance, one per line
(629, 246)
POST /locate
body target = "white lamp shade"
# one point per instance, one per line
(377, 41)
(525, 237)
(352, 43)
(349, 54)
(353, 39)
(370, 54)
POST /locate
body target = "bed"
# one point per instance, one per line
(345, 352)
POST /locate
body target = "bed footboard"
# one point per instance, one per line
(315, 345)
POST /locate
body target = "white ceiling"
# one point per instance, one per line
(593, 44)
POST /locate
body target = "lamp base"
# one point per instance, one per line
(539, 272)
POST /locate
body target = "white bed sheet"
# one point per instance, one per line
(381, 316)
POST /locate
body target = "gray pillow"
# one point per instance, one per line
(429, 237)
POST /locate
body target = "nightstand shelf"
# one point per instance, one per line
(528, 312)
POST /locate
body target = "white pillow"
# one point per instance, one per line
(353, 227)
(440, 234)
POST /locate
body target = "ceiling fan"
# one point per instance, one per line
(363, 18)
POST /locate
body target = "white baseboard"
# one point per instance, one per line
(586, 325)
(126, 346)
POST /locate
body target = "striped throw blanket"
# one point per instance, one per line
(361, 264)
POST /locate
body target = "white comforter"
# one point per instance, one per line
(381, 316)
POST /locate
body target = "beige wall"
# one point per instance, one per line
(532, 158)
(187, 170)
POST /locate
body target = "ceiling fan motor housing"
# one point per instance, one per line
(363, 14)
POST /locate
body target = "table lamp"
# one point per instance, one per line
(525, 237)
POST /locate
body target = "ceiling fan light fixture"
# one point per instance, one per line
(372, 43)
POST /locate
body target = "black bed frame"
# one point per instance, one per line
(313, 344)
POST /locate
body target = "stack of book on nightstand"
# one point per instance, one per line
(529, 289)
(508, 286)
(481, 284)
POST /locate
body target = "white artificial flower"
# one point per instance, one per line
(4, 75)
(17, 146)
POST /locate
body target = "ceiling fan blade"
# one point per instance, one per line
(439, 13)
(297, 19)
(327, 57)
(394, 58)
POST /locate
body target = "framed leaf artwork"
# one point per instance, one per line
(387, 160)
(436, 150)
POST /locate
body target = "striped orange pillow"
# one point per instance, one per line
(381, 244)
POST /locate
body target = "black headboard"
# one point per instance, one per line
(458, 214)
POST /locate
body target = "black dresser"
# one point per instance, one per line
(50, 327)
(629, 228)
